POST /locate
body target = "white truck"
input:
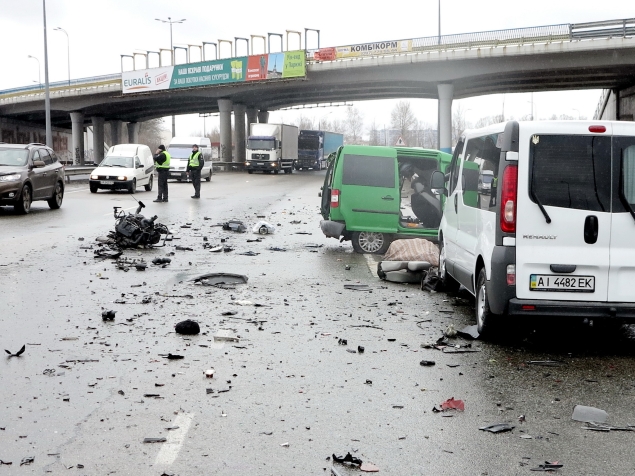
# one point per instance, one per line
(180, 149)
(272, 148)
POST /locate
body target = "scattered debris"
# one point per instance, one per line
(469, 332)
(450, 331)
(497, 428)
(427, 363)
(161, 261)
(28, 460)
(360, 349)
(554, 466)
(226, 339)
(349, 459)
(155, 440)
(593, 426)
(547, 363)
(249, 253)
(589, 414)
(215, 279)
(108, 315)
(18, 353)
(369, 468)
(184, 248)
(209, 373)
(358, 287)
(172, 356)
(276, 248)
(234, 225)
(452, 404)
(263, 228)
(187, 327)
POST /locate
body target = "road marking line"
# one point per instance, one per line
(170, 449)
(220, 333)
(75, 191)
(372, 264)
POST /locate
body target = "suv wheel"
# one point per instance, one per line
(58, 195)
(370, 242)
(23, 205)
(486, 321)
(450, 284)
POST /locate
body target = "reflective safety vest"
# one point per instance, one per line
(194, 159)
(166, 164)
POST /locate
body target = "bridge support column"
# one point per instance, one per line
(116, 132)
(133, 132)
(263, 116)
(225, 109)
(239, 128)
(252, 117)
(77, 120)
(446, 93)
(98, 139)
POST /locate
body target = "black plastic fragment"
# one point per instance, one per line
(187, 327)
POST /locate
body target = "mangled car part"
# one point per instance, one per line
(133, 229)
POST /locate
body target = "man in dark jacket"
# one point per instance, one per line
(194, 167)
(162, 164)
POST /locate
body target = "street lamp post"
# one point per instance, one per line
(68, 51)
(47, 93)
(439, 22)
(39, 77)
(171, 22)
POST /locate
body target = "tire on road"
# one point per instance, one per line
(450, 285)
(23, 205)
(209, 177)
(55, 201)
(370, 242)
(132, 188)
(148, 187)
(93, 188)
(486, 321)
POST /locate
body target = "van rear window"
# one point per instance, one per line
(369, 171)
(571, 171)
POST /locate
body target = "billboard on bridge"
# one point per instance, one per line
(362, 49)
(288, 64)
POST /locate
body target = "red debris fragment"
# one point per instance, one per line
(452, 404)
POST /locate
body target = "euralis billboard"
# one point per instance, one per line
(289, 64)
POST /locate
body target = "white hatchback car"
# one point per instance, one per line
(125, 167)
(552, 235)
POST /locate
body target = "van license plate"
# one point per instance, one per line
(107, 182)
(562, 283)
(260, 163)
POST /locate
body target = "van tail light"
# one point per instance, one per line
(528, 307)
(509, 195)
(511, 275)
(597, 129)
(335, 198)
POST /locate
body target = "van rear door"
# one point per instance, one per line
(622, 261)
(369, 191)
(563, 252)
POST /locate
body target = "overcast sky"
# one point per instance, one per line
(100, 31)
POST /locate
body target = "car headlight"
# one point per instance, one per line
(121, 177)
(10, 178)
(247, 163)
(94, 177)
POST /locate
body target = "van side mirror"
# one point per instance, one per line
(437, 182)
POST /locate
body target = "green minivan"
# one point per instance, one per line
(374, 195)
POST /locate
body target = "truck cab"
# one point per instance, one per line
(272, 148)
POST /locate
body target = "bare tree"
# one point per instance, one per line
(150, 132)
(304, 123)
(458, 124)
(402, 119)
(354, 126)
(373, 134)
(214, 134)
(488, 120)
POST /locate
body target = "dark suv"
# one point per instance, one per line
(30, 172)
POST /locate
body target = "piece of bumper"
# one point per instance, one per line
(10, 192)
(117, 185)
(332, 229)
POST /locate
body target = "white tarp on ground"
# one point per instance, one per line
(417, 249)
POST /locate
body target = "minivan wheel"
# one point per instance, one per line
(23, 205)
(450, 285)
(486, 321)
(370, 242)
(148, 187)
(55, 201)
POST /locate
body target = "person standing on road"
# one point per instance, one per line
(194, 167)
(162, 164)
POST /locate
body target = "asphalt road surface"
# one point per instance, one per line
(285, 394)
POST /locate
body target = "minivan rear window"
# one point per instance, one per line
(369, 171)
(570, 171)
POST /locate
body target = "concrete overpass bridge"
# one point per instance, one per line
(597, 55)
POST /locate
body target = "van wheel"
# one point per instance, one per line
(486, 321)
(250, 171)
(370, 242)
(133, 186)
(148, 187)
(93, 188)
(209, 177)
(450, 284)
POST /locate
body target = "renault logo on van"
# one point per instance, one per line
(539, 237)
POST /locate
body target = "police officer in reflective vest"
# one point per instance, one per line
(162, 164)
(194, 167)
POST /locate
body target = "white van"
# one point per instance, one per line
(180, 149)
(553, 235)
(125, 167)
